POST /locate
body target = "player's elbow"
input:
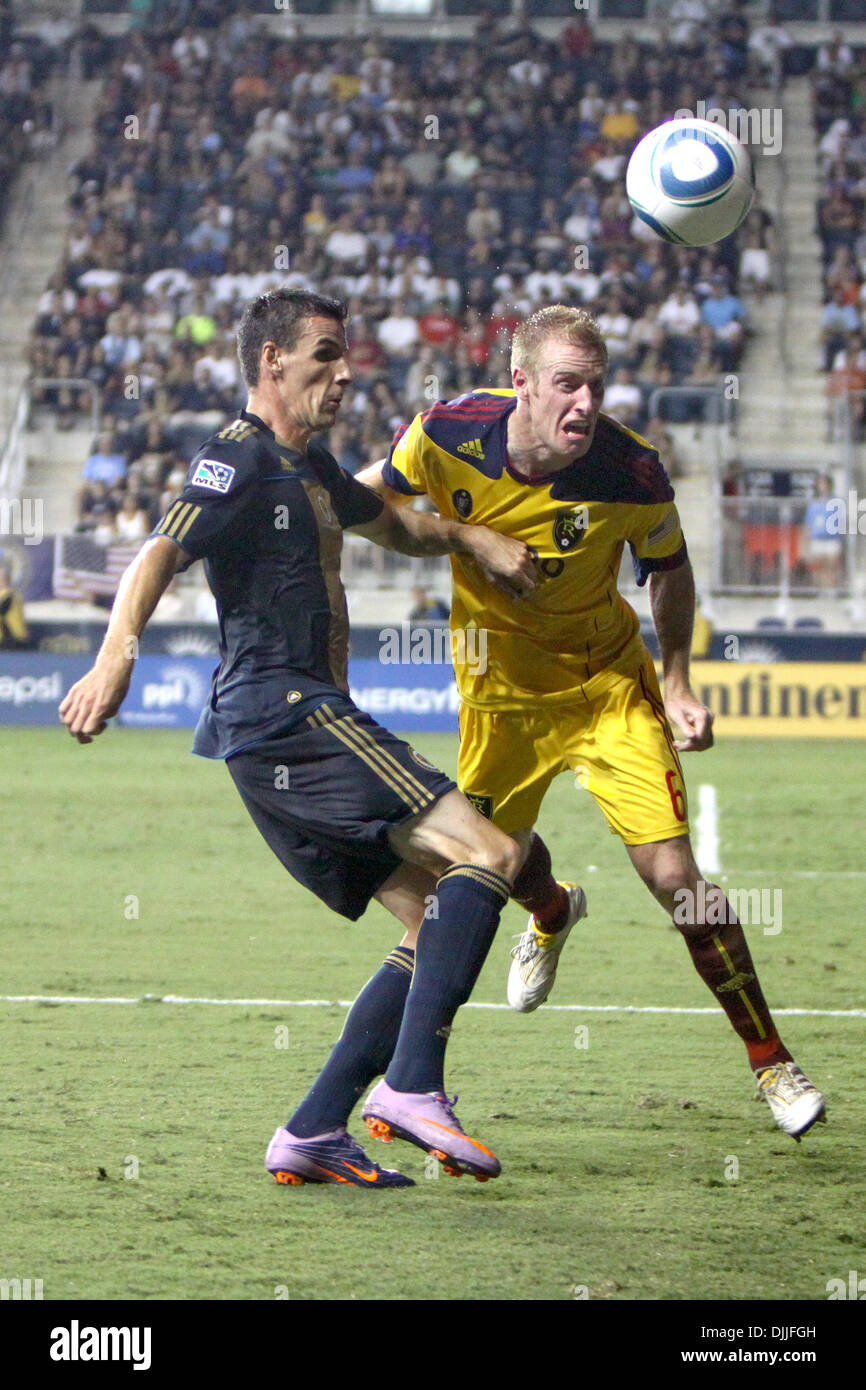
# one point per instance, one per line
(371, 477)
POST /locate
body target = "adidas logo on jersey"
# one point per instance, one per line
(471, 447)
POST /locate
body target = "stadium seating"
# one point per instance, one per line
(255, 162)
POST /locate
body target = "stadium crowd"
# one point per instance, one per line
(26, 116)
(839, 94)
(445, 189)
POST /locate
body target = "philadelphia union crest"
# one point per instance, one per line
(569, 528)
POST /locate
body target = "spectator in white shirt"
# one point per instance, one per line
(835, 57)
(544, 283)
(398, 333)
(131, 523)
(591, 105)
(439, 288)
(191, 51)
(680, 313)
(463, 163)
(172, 280)
(766, 44)
(623, 399)
(222, 365)
(582, 282)
(346, 244)
(615, 326)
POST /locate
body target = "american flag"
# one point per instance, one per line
(83, 568)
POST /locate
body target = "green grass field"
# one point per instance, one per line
(132, 1136)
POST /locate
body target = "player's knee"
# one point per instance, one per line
(668, 870)
(670, 886)
(497, 851)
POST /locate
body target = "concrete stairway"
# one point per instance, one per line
(782, 410)
(55, 462)
(32, 246)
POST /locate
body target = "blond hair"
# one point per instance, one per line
(576, 326)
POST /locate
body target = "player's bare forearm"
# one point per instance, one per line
(504, 561)
(371, 477)
(143, 584)
(672, 600)
(99, 694)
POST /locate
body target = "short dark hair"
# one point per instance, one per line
(277, 317)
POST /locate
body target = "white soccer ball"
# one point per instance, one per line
(691, 181)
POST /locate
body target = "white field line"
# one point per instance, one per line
(707, 848)
(707, 830)
(802, 873)
(347, 1004)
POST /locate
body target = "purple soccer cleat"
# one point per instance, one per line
(428, 1120)
(334, 1157)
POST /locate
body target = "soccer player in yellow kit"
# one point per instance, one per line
(567, 681)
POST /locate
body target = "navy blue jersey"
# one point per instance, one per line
(268, 522)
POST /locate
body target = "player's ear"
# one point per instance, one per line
(520, 382)
(270, 359)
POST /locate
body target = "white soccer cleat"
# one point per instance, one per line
(796, 1104)
(536, 956)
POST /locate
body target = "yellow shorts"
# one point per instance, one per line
(615, 738)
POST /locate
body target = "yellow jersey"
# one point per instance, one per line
(575, 626)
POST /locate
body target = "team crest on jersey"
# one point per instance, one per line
(462, 502)
(569, 528)
(483, 804)
(420, 759)
(216, 476)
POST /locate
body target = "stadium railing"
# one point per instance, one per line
(367, 566)
(718, 407)
(13, 460)
(765, 547)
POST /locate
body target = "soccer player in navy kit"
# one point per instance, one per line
(350, 810)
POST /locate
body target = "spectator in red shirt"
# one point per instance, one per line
(438, 325)
(577, 36)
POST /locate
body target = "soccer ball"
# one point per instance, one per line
(691, 181)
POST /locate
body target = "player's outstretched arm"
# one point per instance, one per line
(672, 599)
(371, 476)
(505, 562)
(93, 700)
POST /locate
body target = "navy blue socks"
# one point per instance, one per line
(453, 942)
(363, 1051)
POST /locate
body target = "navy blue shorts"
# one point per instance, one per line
(325, 794)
